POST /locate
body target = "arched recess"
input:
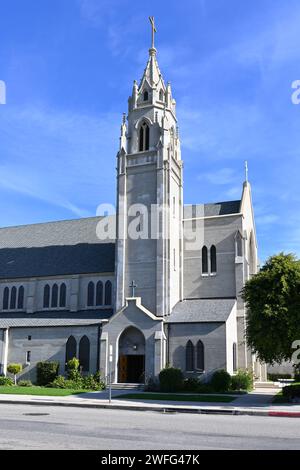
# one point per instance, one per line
(213, 259)
(204, 260)
(84, 353)
(189, 356)
(21, 298)
(200, 356)
(108, 293)
(71, 347)
(132, 351)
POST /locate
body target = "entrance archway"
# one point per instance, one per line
(131, 364)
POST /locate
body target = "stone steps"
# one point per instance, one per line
(125, 386)
(266, 385)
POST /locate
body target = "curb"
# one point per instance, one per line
(161, 409)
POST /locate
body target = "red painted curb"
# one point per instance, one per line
(285, 414)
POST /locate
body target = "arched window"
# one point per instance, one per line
(161, 95)
(99, 293)
(234, 357)
(21, 297)
(62, 295)
(5, 298)
(108, 293)
(91, 294)
(144, 137)
(54, 298)
(46, 303)
(71, 348)
(200, 356)
(238, 245)
(204, 260)
(84, 354)
(146, 95)
(189, 356)
(13, 299)
(213, 259)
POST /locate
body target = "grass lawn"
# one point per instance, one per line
(177, 397)
(34, 390)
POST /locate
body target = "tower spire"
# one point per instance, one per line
(246, 171)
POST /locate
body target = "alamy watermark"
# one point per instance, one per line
(152, 222)
(296, 94)
(2, 92)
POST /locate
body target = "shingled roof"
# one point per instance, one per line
(212, 209)
(54, 249)
(50, 318)
(202, 310)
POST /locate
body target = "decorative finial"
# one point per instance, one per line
(124, 118)
(246, 171)
(151, 18)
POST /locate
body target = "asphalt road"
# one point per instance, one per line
(49, 427)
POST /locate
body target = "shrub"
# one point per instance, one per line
(7, 381)
(152, 385)
(99, 380)
(220, 381)
(291, 391)
(25, 383)
(243, 380)
(73, 369)
(171, 380)
(89, 383)
(14, 369)
(47, 371)
(191, 384)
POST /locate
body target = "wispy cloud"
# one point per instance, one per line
(58, 157)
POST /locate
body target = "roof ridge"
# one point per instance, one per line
(51, 222)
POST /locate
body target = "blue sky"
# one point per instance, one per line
(69, 65)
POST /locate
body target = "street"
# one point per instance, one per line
(50, 427)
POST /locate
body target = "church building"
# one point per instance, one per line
(157, 283)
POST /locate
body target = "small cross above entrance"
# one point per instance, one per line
(133, 286)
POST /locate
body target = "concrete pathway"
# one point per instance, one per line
(256, 403)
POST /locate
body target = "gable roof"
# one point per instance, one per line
(202, 310)
(66, 247)
(57, 260)
(64, 232)
(212, 209)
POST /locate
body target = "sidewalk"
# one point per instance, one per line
(256, 403)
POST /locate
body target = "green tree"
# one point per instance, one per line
(14, 369)
(273, 308)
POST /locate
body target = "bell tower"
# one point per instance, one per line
(149, 195)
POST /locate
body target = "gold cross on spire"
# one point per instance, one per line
(151, 18)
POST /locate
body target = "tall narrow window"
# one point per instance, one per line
(204, 260)
(174, 259)
(71, 347)
(5, 298)
(99, 293)
(239, 247)
(21, 298)
(54, 297)
(108, 293)
(90, 294)
(62, 295)
(146, 95)
(144, 137)
(161, 95)
(234, 358)
(189, 356)
(200, 356)
(46, 303)
(213, 259)
(84, 354)
(13, 299)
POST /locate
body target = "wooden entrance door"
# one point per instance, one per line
(123, 363)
